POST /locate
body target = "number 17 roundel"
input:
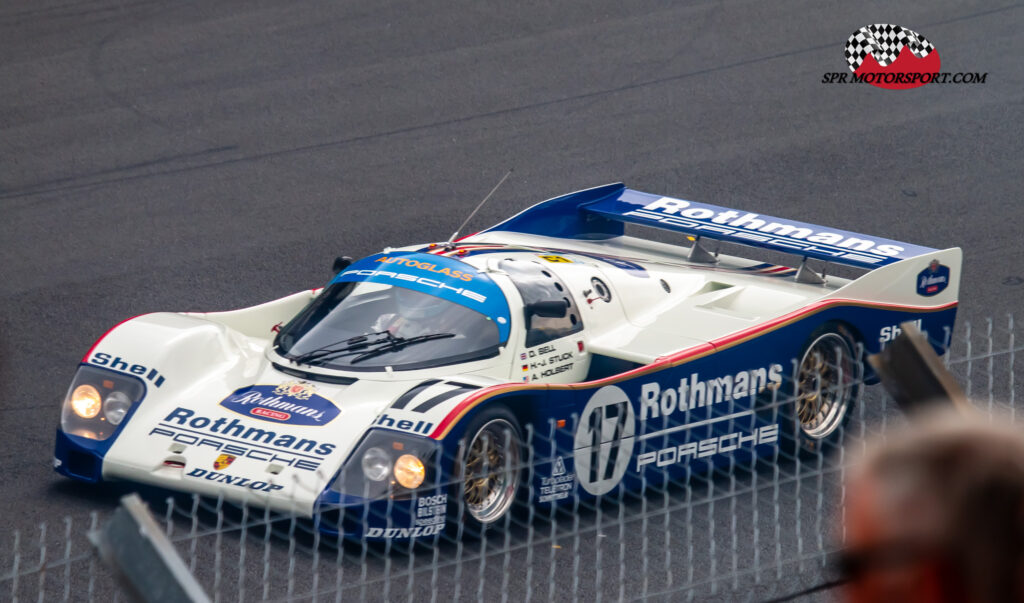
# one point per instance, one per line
(604, 440)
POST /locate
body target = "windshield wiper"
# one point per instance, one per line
(393, 344)
(385, 339)
(354, 344)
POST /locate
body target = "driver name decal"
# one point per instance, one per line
(291, 403)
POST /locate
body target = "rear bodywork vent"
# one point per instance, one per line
(712, 286)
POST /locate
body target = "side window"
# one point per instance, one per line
(535, 284)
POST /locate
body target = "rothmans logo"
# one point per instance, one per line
(754, 227)
(292, 403)
(933, 280)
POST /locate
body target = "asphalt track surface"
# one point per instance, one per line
(209, 156)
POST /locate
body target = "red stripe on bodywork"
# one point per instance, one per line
(675, 359)
(109, 331)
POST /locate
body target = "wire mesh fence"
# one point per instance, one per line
(747, 527)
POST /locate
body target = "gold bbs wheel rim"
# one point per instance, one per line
(824, 388)
(491, 471)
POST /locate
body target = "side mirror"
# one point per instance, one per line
(341, 262)
(547, 309)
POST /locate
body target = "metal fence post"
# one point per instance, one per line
(134, 545)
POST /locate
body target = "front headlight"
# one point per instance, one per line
(376, 464)
(85, 401)
(98, 401)
(116, 406)
(389, 464)
(409, 471)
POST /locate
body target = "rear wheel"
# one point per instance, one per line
(489, 469)
(827, 386)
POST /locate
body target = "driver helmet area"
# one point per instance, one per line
(402, 311)
(414, 305)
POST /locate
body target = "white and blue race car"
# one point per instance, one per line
(550, 358)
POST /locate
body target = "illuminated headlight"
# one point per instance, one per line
(376, 464)
(389, 464)
(116, 406)
(98, 401)
(85, 401)
(409, 471)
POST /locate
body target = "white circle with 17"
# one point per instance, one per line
(604, 440)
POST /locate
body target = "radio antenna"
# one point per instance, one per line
(455, 234)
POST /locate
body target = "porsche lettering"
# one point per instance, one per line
(235, 428)
(226, 446)
(671, 455)
(427, 282)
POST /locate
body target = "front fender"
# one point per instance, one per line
(167, 349)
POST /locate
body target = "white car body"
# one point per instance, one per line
(678, 310)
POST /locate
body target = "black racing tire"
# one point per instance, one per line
(489, 475)
(827, 386)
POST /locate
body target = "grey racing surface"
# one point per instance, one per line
(213, 155)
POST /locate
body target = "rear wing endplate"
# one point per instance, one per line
(600, 212)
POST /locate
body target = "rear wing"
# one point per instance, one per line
(600, 213)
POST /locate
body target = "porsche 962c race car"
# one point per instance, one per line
(546, 360)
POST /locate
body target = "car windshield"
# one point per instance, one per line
(368, 326)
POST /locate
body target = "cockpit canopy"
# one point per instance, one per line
(402, 310)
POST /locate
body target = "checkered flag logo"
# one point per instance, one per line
(884, 42)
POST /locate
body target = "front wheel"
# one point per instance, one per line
(489, 469)
(827, 386)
